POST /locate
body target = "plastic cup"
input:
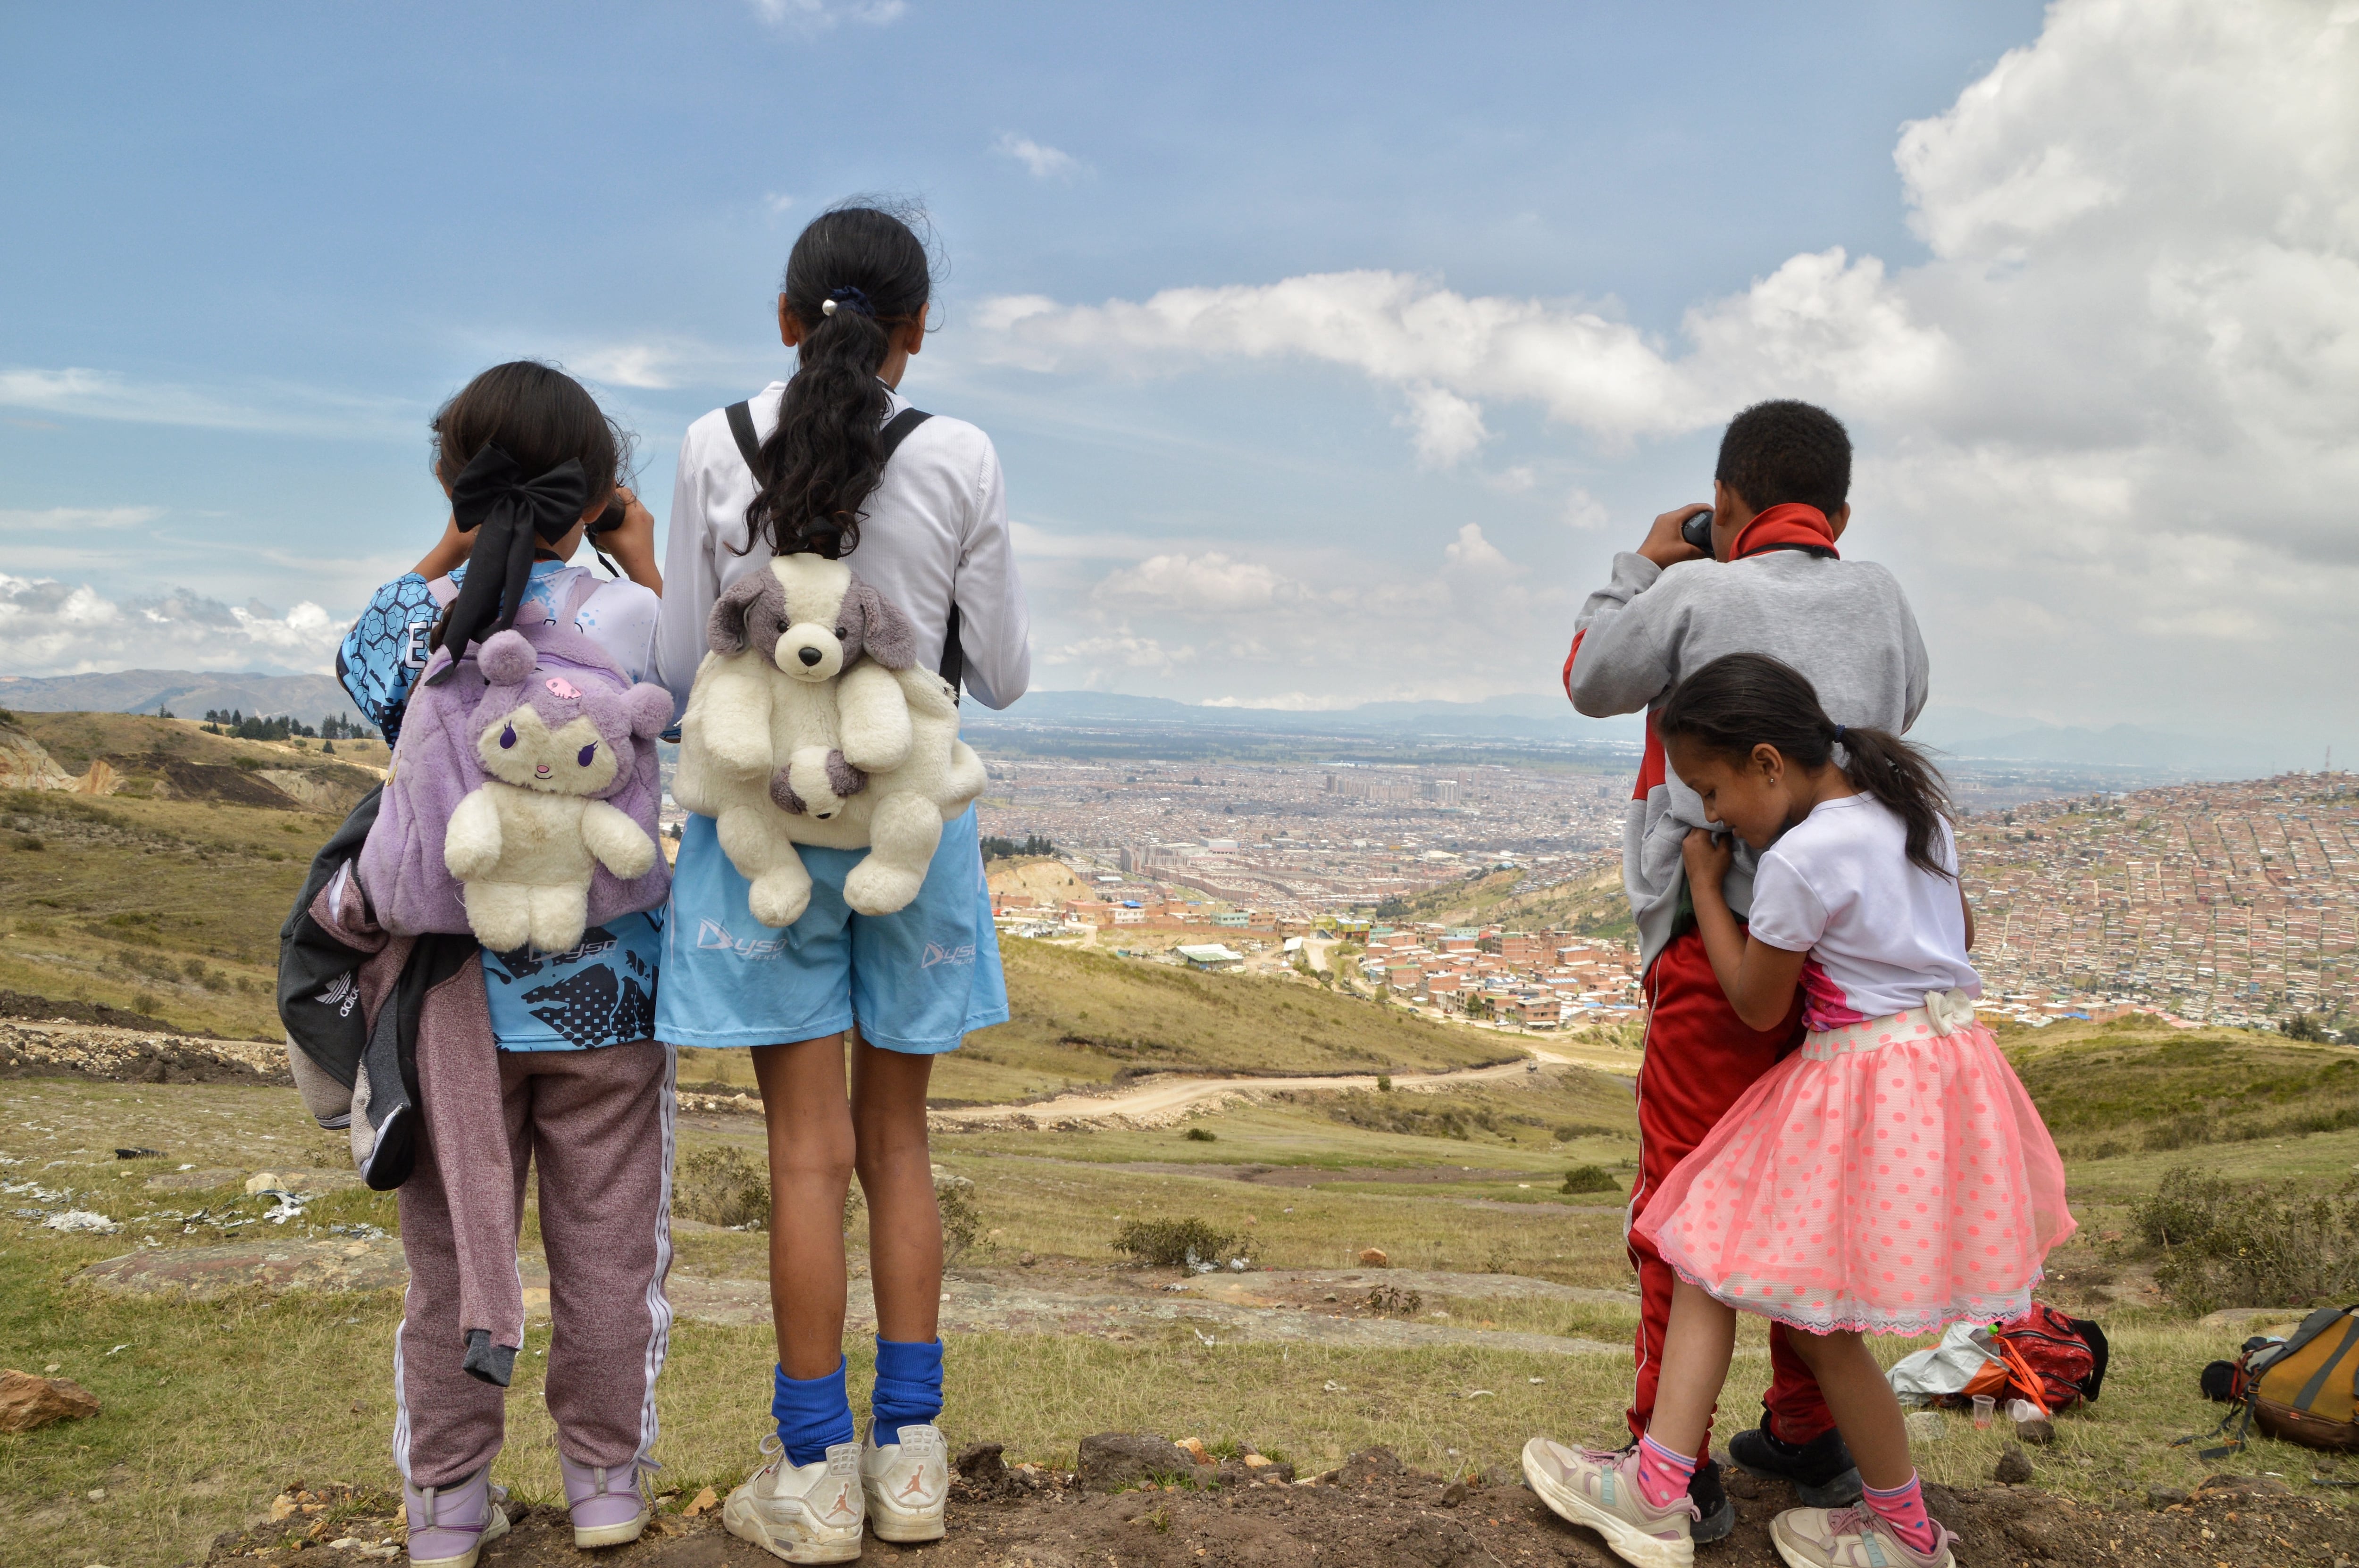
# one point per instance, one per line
(1983, 1405)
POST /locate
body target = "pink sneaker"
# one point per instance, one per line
(1599, 1489)
(1851, 1538)
(605, 1504)
(448, 1525)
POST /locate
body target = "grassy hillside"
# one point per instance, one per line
(174, 758)
(2133, 1087)
(1083, 1017)
(1592, 905)
(166, 907)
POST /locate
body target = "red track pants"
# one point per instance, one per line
(1699, 1058)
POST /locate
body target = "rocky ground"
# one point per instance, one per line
(1371, 1512)
(90, 1041)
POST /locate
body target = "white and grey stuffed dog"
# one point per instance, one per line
(810, 723)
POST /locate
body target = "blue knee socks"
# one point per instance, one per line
(909, 1388)
(813, 1415)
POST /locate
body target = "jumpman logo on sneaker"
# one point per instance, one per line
(841, 1508)
(916, 1489)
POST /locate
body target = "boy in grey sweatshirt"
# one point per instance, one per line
(1775, 583)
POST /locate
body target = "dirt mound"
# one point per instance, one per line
(231, 786)
(140, 1055)
(1371, 1513)
(18, 1004)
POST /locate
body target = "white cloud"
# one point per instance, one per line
(102, 395)
(1447, 427)
(652, 364)
(1211, 584)
(1045, 162)
(1584, 512)
(78, 519)
(818, 16)
(1123, 648)
(1469, 552)
(777, 203)
(2117, 399)
(48, 627)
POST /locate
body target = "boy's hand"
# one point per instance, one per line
(1708, 856)
(1663, 545)
(633, 545)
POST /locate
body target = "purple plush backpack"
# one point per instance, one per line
(435, 766)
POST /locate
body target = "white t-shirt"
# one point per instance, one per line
(934, 534)
(1839, 885)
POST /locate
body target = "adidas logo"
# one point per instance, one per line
(341, 993)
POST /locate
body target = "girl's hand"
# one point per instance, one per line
(633, 545)
(1708, 856)
(449, 552)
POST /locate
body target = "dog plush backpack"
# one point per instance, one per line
(546, 864)
(810, 723)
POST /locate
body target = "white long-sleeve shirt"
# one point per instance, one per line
(934, 533)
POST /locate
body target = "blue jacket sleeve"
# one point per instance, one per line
(385, 650)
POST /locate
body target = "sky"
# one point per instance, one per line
(1331, 351)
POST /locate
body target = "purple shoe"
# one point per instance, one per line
(448, 1525)
(605, 1504)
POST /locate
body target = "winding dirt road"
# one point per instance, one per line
(1163, 1100)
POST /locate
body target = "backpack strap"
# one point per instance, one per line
(443, 590)
(897, 430)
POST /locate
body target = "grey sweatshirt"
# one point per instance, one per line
(1845, 624)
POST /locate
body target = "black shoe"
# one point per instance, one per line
(1716, 1516)
(1820, 1470)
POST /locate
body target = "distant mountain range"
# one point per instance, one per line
(187, 693)
(1967, 735)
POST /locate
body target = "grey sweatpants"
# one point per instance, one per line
(599, 1125)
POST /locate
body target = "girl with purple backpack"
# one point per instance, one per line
(525, 1058)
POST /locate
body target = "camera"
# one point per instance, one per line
(1697, 530)
(607, 522)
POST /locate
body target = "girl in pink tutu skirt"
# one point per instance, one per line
(1889, 1177)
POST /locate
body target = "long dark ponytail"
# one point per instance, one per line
(858, 275)
(1743, 700)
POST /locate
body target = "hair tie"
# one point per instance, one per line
(851, 299)
(1839, 734)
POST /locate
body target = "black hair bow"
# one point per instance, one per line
(506, 512)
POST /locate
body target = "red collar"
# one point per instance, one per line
(1786, 525)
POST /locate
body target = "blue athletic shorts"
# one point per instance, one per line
(917, 981)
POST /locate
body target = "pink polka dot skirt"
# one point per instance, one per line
(1886, 1177)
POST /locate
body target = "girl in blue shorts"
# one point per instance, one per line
(835, 461)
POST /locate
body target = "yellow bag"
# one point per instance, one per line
(2306, 1392)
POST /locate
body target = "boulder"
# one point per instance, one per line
(27, 1401)
(1373, 1257)
(2014, 1466)
(1113, 1460)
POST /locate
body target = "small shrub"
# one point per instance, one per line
(961, 1221)
(723, 1186)
(1589, 1179)
(1384, 1083)
(1173, 1243)
(1201, 1135)
(27, 842)
(2274, 1244)
(1390, 1300)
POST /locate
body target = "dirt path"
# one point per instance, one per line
(1257, 1306)
(1369, 1512)
(1164, 1100)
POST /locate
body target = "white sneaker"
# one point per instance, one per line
(906, 1483)
(803, 1513)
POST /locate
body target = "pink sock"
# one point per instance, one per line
(1663, 1475)
(1903, 1508)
